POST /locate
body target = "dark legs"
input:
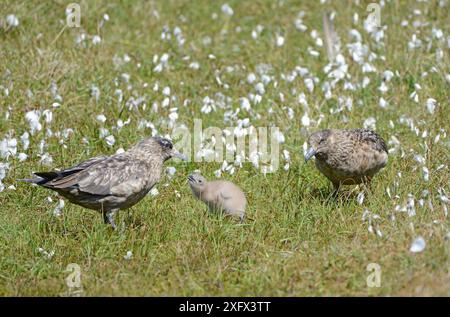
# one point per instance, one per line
(336, 189)
(367, 184)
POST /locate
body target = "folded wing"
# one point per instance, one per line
(372, 138)
(101, 176)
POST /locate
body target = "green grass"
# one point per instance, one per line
(299, 241)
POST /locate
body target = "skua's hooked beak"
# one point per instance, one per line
(309, 153)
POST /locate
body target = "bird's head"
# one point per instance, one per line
(197, 182)
(318, 144)
(167, 149)
(158, 146)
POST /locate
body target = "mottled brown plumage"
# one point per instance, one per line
(219, 195)
(347, 157)
(110, 183)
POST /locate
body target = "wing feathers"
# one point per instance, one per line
(67, 178)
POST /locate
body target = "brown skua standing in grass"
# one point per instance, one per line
(347, 157)
(110, 183)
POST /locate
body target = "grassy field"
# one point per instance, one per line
(299, 241)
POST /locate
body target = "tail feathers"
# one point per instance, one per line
(42, 178)
(47, 175)
(37, 180)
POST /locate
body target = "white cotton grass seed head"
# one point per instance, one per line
(443, 197)
(173, 116)
(46, 159)
(245, 104)
(360, 198)
(58, 209)
(128, 256)
(286, 155)
(95, 92)
(166, 91)
(48, 116)
(125, 77)
(370, 123)
(410, 206)
(306, 121)
(47, 254)
(418, 245)
(259, 87)
(279, 40)
(383, 103)
(387, 75)
(103, 132)
(252, 77)
(154, 192)
(12, 20)
(227, 10)
(419, 159)
(309, 83)
(22, 157)
(426, 174)
(218, 173)
(194, 65)
(96, 39)
(101, 118)
(170, 170)
(4, 167)
(8, 147)
(279, 136)
(32, 117)
(431, 105)
(110, 140)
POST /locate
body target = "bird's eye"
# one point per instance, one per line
(166, 143)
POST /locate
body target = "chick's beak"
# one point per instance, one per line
(179, 155)
(309, 153)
